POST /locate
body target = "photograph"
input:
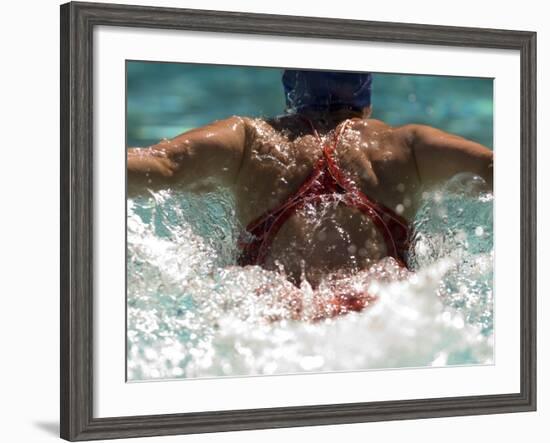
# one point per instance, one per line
(286, 220)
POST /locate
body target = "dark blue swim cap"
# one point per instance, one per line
(323, 90)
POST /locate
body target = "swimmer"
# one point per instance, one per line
(323, 190)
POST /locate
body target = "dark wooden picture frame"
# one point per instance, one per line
(77, 23)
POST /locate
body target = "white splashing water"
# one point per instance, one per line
(192, 313)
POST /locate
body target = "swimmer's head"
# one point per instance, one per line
(325, 91)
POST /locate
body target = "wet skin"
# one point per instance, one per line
(266, 161)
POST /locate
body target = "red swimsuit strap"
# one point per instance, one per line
(327, 182)
(312, 179)
(387, 221)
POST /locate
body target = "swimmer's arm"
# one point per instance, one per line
(211, 153)
(440, 155)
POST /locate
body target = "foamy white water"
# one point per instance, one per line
(192, 313)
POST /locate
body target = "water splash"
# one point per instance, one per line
(192, 313)
(456, 223)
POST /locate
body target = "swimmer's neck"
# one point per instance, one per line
(335, 116)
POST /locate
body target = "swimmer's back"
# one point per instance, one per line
(315, 240)
(282, 152)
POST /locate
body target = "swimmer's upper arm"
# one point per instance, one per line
(440, 155)
(211, 152)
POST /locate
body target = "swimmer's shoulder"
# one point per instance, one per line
(373, 123)
(271, 131)
(260, 123)
(398, 135)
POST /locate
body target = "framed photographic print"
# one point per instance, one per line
(272, 221)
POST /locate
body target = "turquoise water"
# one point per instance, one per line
(193, 313)
(165, 99)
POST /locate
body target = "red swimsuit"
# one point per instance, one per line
(326, 183)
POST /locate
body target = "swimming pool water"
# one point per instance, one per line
(193, 313)
(165, 99)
